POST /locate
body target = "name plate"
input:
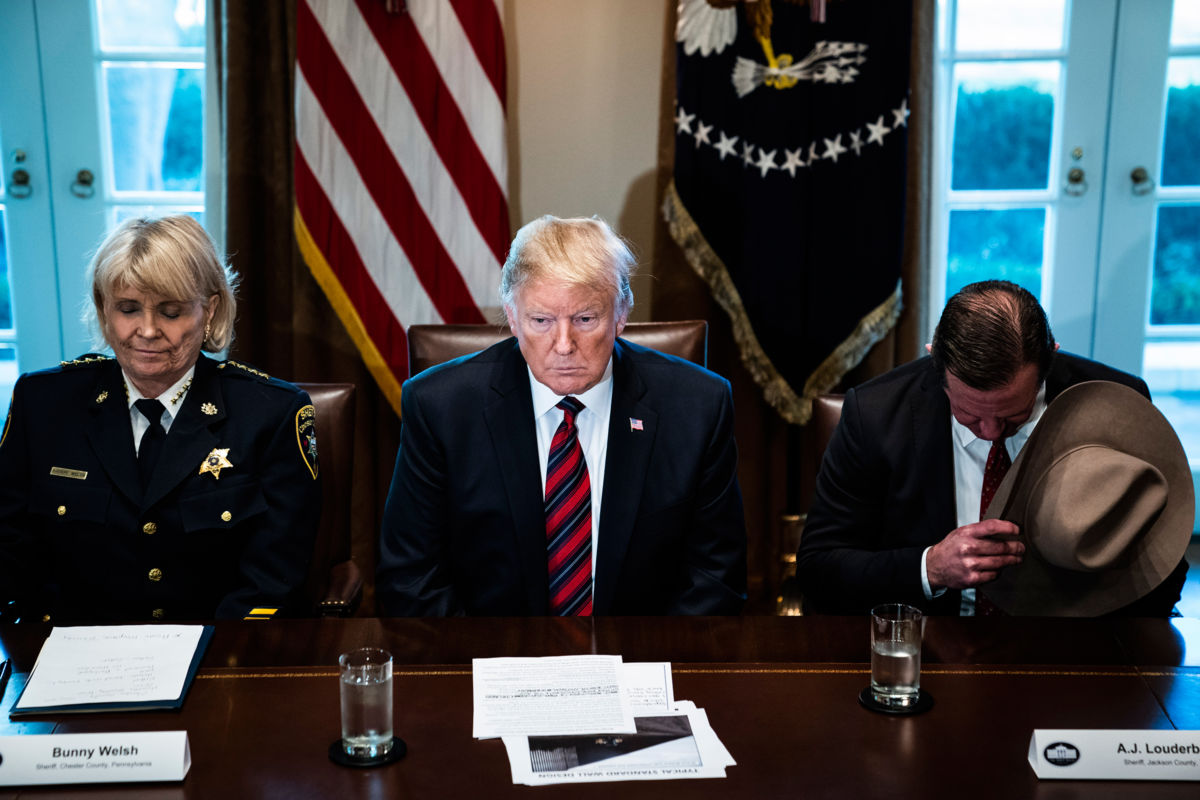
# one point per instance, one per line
(1116, 755)
(94, 757)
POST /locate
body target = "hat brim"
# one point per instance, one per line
(1110, 415)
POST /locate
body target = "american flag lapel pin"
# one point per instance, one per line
(635, 424)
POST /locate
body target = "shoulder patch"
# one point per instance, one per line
(239, 368)
(86, 360)
(306, 438)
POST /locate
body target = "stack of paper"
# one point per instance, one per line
(587, 719)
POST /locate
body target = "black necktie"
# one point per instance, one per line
(152, 439)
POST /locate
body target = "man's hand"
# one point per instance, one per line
(973, 554)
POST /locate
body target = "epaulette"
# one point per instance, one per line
(240, 366)
(88, 358)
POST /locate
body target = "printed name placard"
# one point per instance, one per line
(94, 757)
(1116, 755)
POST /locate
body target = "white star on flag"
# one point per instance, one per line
(702, 132)
(683, 121)
(900, 115)
(766, 162)
(833, 148)
(856, 143)
(747, 154)
(726, 146)
(877, 131)
(793, 159)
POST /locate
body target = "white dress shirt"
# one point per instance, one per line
(970, 460)
(592, 429)
(172, 400)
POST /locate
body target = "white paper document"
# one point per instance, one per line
(556, 695)
(111, 664)
(666, 746)
(649, 686)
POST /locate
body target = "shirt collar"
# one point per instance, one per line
(176, 392)
(964, 438)
(545, 399)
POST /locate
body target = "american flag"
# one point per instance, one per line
(401, 173)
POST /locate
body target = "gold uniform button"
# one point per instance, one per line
(150, 528)
(62, 510)
(45, 618)
(156, 574)
(157, 613)
(226, 516)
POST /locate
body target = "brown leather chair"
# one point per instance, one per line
(826, 412)
(334, 585)
(429, 345)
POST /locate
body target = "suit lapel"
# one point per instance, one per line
(627, 459)
(934, 456)
(110, 431)
(189, 439)
(509, 416)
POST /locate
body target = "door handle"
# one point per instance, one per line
(84, 185)
(20, 186)
(1142, 182)
(1076, 183)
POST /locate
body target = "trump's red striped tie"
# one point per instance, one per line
(569, 518)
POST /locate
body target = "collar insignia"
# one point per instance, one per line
(100, 398)
(209, 409)
(216, 461)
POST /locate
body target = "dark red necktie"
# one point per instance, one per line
(569, 519)
(997, 466)
(994, 471)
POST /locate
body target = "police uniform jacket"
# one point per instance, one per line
(226, 524)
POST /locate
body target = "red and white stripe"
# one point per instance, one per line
(401, 174)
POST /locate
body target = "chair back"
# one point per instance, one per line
(826, 412)
(335, 412)
(429, 345)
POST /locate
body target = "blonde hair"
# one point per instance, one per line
(172, 257)
(578, 252)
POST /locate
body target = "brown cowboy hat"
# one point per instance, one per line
(1103, 495)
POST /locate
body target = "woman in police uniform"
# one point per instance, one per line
(159, 484)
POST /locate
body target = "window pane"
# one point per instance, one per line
(1185, 23)
(1181, 157)
(157, 118)
(1175, 293)
(122, 213)
(8, 378)
(1009, 25)
(1001, 244)
(1003, 125)
(150, 23)
(6, 315)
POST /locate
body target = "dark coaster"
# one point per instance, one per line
(338, 755)
(923, 704)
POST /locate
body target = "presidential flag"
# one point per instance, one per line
(401, 175)
(789, 179)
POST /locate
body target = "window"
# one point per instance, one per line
(1066, 162)
(108, 122)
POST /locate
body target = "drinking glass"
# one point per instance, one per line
(366, 693)
(896, 631)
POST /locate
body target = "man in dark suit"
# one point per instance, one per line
(565, 471)
(895, 515)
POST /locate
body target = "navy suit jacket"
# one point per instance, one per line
(885, 491)
(78, 537)
(464, 527)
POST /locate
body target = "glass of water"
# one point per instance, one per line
(366, 702)
(896, 631)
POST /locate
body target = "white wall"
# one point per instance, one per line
(584, 78)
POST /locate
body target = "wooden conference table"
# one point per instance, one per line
(780, 693)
